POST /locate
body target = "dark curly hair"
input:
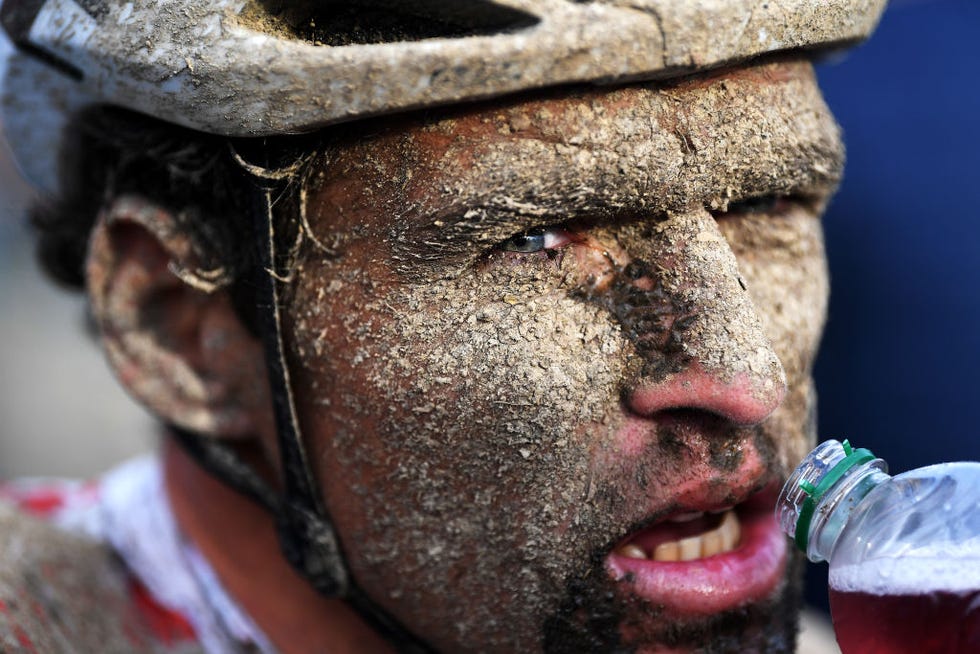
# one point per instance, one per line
(108, 152)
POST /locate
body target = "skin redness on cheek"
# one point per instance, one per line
(488, 425)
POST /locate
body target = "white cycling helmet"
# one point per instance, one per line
(265, 67)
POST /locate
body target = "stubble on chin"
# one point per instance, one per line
(596, 616)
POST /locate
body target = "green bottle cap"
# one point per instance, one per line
(852, 457)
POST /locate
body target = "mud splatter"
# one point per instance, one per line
(465, 404)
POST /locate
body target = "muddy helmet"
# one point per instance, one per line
(266, 67)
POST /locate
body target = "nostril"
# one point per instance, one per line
(634, 271)
(743, 400)
(687, 415)
(705, 422)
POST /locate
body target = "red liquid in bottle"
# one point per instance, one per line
(907, 606)
(930, 623)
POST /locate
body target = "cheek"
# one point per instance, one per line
(783, 264)
(453, 440)
(793, 426)
(487, 389)
(785, 269)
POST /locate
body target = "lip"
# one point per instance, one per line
(749, 573)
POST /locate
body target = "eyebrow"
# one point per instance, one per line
(465, 228)
(640, 166)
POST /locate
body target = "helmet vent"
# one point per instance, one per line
(336, 23)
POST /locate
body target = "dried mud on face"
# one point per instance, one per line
(464, 402)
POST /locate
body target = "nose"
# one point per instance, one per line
(743, 400)
(699, 338)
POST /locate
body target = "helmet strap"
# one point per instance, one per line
(306, 533)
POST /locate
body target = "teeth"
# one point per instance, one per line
(723, 538)
(686, 517)
(632, 551)
(690, 548)
(711, 544)
(731, 532)
(667, 552)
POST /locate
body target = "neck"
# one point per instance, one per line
(238, 539)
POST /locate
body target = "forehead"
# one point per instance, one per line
(739, 133)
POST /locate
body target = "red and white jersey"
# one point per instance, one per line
(100, 566)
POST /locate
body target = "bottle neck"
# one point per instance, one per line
(835, 507)
(820, 495)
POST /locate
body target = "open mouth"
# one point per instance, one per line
(702, 561)
(686, 537)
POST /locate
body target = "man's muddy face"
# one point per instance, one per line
(553, 357)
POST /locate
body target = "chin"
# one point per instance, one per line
(621, 622)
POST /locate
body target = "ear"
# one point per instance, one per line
(169, 329)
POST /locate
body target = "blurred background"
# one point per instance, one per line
(899, 372)
(61, 413)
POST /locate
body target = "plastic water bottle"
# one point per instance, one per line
(904, 551)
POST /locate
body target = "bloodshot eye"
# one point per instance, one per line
(536, 240)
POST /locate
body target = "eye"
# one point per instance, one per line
(536, 240)
(760, 204)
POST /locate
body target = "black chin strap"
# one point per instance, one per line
(306, 533)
